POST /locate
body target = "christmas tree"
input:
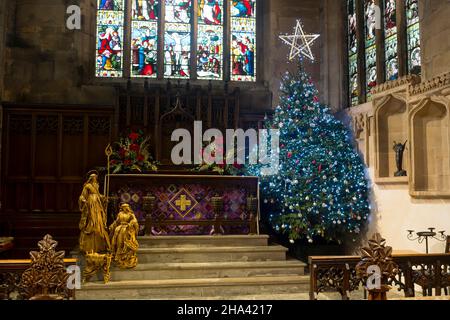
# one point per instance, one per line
(320, 190)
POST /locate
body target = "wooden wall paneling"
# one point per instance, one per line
(225, 111)
(145, 109)
(237, 107)
(32, 162)
(198, 105)
(156, 114)
(47, 150)
(59, 189)
(209, 108)
(85, 142)
(99, 132)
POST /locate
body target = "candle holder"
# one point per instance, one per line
(422, 236)
(252, 207)
(148, 205)
(217, 203)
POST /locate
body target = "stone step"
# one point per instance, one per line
(199, 288)
(211, 254)
(203, 241)
(155, 271)
(256, 297)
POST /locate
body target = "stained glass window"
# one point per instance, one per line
(390, 40)
(144, 38)
(370, 12)
(210, 39)
(243, 40)
(363, 57)
(413, 36)
(177, 38)
(352, 53)
(163, 37)
(110, 20)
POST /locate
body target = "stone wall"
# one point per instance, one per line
(332, 72)
(405, 203)
(283, 16)
(47, 63)
(435, 30)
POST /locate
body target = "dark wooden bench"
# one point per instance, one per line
(11, 273)
(338, 274)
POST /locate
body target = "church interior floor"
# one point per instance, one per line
(211, 268)
(204, 267)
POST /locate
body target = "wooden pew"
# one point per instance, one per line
(11, 273)
(338, 274)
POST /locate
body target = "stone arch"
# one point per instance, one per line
(391, 122)
(431, 153)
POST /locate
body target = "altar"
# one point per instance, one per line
(186, 203)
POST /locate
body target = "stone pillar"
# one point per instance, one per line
(434, 32)
(380, 47)
(360, 35)
(401, 39)
(332, 74)
(283, 16)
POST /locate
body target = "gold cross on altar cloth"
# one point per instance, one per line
(183, 203)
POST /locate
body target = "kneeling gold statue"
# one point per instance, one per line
(123, 234)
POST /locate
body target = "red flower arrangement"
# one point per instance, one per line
(131, 154)
(234, 169)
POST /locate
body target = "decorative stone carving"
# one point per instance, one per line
(439, 82)
(389, 85)
(359, 125)
(408, 109)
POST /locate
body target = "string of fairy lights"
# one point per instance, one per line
(321, 189)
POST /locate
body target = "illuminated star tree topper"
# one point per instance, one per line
(300, 42)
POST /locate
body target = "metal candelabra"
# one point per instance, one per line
(424, 235)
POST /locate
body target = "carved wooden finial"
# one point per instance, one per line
(377, 256)
(47, 276)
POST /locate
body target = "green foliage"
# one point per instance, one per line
(321, 190)
(131, 154)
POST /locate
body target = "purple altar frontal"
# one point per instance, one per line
(185, 198)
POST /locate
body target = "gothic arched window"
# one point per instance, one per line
(352, 53)
(413, 36)
(383, 44)
(390, 40)
(177, 39)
